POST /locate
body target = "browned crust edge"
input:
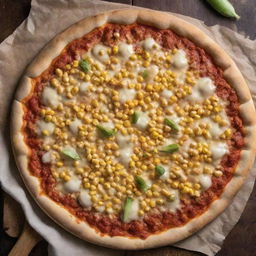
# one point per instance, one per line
(162, 21)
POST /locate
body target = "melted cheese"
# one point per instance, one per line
(125, 154)
(203, 89)
(166, 93)
(108, 125)
(143, 121)
(100, 52)
(166, 174)
(42, 125)
(50, 97)
(179, 60)
(133, 213)
(126, 94)
(74, 125)
(205, 181)
(84, 86)
(152, 72)
(125, 51)
(218, 149)
(175, 204)
(72, 186)
(47, 157)
(149, 44)
(122, 140)
(85, 198)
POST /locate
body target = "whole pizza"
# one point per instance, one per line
(133, 129)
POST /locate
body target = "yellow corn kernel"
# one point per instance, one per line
(140, 79)
(165, 192)
(115, 49)
(197, 186)
(217, 173)
(45, 132)
(59, 164)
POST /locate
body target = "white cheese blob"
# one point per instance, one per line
(218, 149)
(42, 125)
(47, 157)
(215, 130)
(133, 213)
(100, 52)
(84, 198)
(126, 94)
(203, 89)
(166, 174)
(74, 125)
(172, 206)
(179, 60)
(205, 181)
(143, 121)
(152, 71)
(72, 185)
(166, 93)
(125, 50)
(146, 179)
(50, 97)
(108, 125)
(84, 86)
(123, 140)
(168, 141)
(112, 191)
(149, 44)
(125, 154)
(206, 86)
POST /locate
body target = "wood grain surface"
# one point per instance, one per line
(242, 239)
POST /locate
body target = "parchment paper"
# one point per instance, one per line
(46, 19)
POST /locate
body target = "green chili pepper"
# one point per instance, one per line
(159, 170)
(106, 132)
(135, 117)
(71, 153)
(170, 148)
(84, 65)
(145, 74)
(141, 183)
(224, 7)
(171, 124)
(127, 208)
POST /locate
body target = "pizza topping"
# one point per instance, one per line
(106, 132)
(120, 126)
(127, 208)
(135, 117)
(50, 97)
(70, 152)
(159, 170)
(203, 89)
(149, 44)
(74, 125)
(84, 65)
(72, 186)
(205, 181)
(47, 157)
(171, 124)
(179, 59)
(45, 128)
(141, 183)
(84, 199)
(170, 148)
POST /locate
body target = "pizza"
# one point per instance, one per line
(133, 129)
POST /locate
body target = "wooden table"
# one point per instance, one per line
(241, 240)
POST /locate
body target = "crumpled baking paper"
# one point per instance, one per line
(46, 19)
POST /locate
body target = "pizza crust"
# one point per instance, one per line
(162, 21)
